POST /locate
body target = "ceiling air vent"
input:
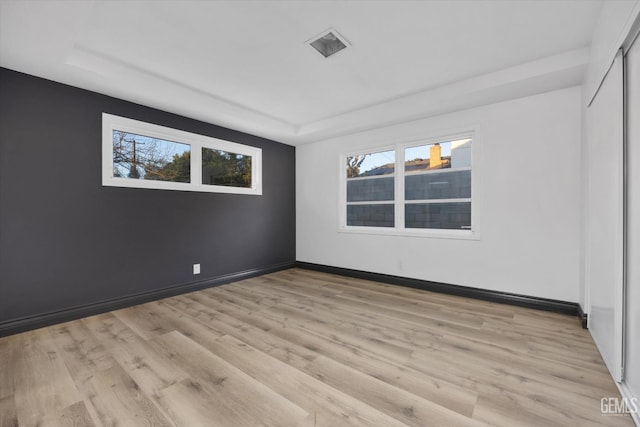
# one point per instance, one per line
(328, 43)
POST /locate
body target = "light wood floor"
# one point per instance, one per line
(301, 348)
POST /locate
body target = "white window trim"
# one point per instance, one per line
(399, 202)
(197, 142)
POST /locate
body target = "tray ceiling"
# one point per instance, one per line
(247, 64)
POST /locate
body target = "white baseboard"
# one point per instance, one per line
(627, 393)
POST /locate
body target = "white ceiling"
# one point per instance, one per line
(245, 64)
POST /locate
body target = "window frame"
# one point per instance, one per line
(399, 201)
(197, 142)
(343, 190)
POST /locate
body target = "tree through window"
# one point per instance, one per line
(143, 157)
(136, 154)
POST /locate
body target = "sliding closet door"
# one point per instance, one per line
(632, 76)
(605, 218)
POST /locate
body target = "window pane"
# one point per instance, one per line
(371, 164)
(225, 168)
(143, 157)
(370, 215)
(450, 216)
(441, 155)
(452, 184)
(370, 189)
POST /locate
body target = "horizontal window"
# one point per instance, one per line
(143, 155)
(410, 187)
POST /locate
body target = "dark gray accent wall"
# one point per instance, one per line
(67, 242)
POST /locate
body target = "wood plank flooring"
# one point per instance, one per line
(302, 348)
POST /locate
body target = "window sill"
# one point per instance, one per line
(431, 233)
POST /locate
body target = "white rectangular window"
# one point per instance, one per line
(422, 188)
(437, 185)
(370, 189)
(144, 155)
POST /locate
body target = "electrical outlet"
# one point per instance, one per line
(196, 268)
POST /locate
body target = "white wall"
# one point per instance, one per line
(529, 201)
